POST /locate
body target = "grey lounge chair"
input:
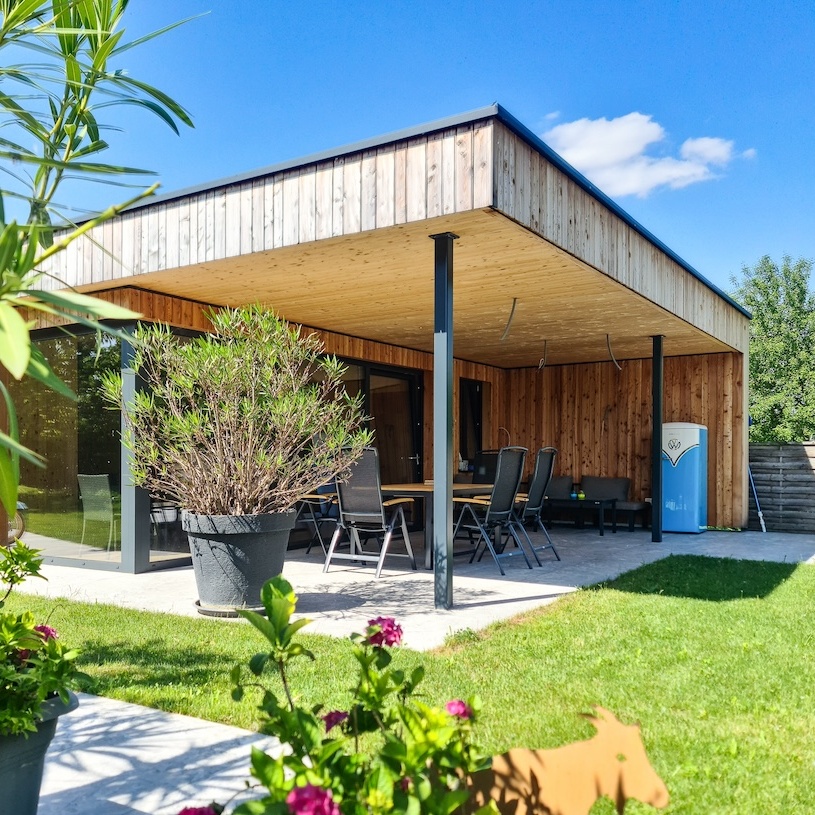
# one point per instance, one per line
(492, 521)
(530, 505)
(362, 515)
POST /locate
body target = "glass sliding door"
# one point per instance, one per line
(74, 502)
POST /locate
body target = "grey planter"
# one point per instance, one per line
(234, 555)
(22, 759)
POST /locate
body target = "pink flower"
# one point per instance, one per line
(333, 718)
(459, 709)
(405, 783)
(388, 632)
(47, 632)
(311, 800)
(212, 809)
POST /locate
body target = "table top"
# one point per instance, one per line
(426, 489)
(576, 502)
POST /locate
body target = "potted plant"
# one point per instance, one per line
(388, 752)
(235, 426)
(37, 672)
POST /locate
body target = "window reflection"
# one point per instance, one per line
(76, 438)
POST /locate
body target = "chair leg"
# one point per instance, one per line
(335, 538)
(520, 524)
(545, 531)
(511, 528)
(494, 554)
(406, 536)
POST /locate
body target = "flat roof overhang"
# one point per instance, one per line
(378, 285)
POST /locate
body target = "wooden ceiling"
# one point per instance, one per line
(379, 285)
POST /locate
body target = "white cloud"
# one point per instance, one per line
(614, 154)
(707, 150)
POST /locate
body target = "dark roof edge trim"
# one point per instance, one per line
(490, 111)
(525, 133)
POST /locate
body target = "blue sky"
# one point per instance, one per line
(696, 117)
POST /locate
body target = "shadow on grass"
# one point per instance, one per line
(703, 578)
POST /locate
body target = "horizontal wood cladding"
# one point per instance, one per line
(413, 180)
(784, 477)
(153, 306)
(599, 419)
(543, 198)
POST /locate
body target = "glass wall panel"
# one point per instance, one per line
(74, 502)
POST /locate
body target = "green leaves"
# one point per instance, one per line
(242, 421)
(385, 753)
(782, 349)
(15, 346)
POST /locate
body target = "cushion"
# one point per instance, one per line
(603, 489)
(559, 487)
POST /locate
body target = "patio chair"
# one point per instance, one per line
(484, 466)
(530, 505)
(97, 503)
(316, 509)
(492, 521)
(362, 515)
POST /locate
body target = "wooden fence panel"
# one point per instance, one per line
(784, 477)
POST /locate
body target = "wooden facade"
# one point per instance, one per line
(546, 269)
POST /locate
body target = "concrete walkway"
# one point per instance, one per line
(112, 758)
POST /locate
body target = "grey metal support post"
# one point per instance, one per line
(657, 382)
(443, 421)
(135, 519)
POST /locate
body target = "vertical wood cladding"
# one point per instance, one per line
(598, 417)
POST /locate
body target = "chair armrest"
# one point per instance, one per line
(392, 502)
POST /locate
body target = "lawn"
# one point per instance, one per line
(713, 657)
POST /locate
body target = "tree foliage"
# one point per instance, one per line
(50, 130)
(782, 348)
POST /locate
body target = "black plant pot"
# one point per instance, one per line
(22, 759)
(234, 555)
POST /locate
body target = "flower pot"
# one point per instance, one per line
(22, 758)
(234, 555)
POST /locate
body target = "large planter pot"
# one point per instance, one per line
(234, 555)
(22, 758)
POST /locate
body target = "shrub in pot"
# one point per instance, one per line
(235, 426)
(37, 672)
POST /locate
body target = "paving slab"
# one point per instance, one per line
(113, 758)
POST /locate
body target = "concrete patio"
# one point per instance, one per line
(112, 758)
(344, 599)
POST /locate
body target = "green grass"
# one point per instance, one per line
(713, 657)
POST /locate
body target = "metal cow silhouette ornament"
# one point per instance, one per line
(568, 780)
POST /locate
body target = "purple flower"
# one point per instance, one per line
(388, 632)
(333, 718)
(405, 783)
(47, 632)
(459, 709)
(212, 809)
(311, 800)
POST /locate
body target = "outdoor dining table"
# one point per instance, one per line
(425, 491)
